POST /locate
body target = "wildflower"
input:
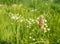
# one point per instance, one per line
(45, 24)
(48, 29)
(26, 19)
(28, 26)
(32, 10)
(45, 20)
(14, 16)
(21, 20)
(33, 39)
(45, 30)
(30, 37)
(33, 30)
(41, 22)
(32, 20)
(30, 33)
(29, 22)
(38, 18)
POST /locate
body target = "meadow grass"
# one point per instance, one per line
(19, 22)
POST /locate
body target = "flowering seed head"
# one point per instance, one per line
(41, 21)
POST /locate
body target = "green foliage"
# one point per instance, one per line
(19, 24)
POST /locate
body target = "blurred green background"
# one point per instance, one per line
(18, 21)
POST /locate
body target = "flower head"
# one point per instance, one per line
(14, 16)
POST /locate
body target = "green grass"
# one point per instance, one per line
(22, 30)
